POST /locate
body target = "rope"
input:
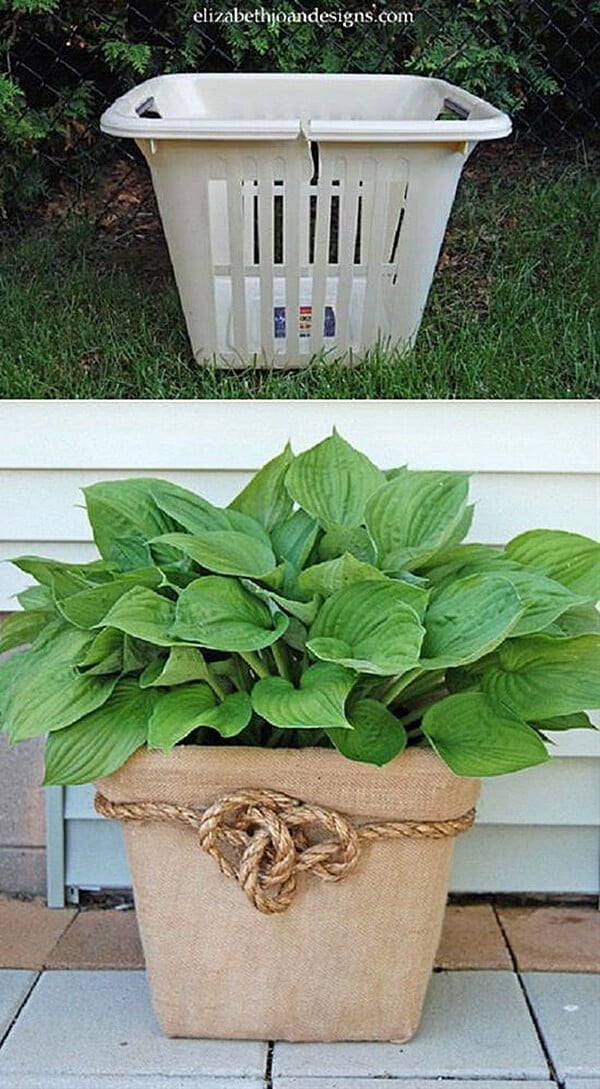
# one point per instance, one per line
(261, 838)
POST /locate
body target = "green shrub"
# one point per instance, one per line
(329, 604)
(64, 62)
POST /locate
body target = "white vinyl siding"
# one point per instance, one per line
(534, 464)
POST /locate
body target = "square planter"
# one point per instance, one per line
(348, 960)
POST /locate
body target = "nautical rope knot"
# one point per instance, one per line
(264, 839)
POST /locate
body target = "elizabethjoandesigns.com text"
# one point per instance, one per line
(345, 19)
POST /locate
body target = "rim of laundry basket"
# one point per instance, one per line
(122, 119)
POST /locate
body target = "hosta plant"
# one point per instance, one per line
(330, 604)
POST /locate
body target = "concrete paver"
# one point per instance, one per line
(472, 938)
(475, 1024)
(14, 988)
(402, 1083)
(92, 1023)
(96, 1030)
(136, 1081)
(99, 939)
(29, 931)
(567, 1007)
(553, 939)
(542, 939)
(582, 1083)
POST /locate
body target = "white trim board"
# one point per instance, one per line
(505, 800)
(513, 858)
(43, 505)
(492, 436)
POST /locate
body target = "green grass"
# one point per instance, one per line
(511, 312)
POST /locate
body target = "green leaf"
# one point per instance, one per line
(581, 620)
(325, 578)
(542, 678)
(368, 627)
(266, 497)
(104, 654)
(474, 735)
(184, 664)
(341, 540)
(332, 482)
(569, 558)
(294, 539)
(130, 553)
(461, 528)
(415, 596)
(23, 627)
(281, 578)
(377, 735)
(465, 559)
(242, 523)
(187, 707)
(467, 619)
(295, 635)
(136, 654)
(102, 741)
(66, 583)
(225, 551)
(126, 508)
(9, 668)
(302, 610)
(143, 614)
(414, 515)
(543, 600)
(188, 510)
(47, 693)
(88, 608)
(36, 597)
(45, 570)
(217, 612)
(196, 515)
(577, 721)
(318, 701)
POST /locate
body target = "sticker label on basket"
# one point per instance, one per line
(304, 321)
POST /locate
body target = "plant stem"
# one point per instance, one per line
(216, 685)
(274, 737)
(251, 659)
(398, 686)
(413, 716)
(281, 660)
(424, 684)
(241, 677)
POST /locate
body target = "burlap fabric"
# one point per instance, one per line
(348, 960)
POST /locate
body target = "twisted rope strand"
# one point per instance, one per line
(261, 838)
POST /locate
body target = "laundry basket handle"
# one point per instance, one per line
(462, 112)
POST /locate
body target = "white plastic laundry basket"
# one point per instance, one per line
(302, 212)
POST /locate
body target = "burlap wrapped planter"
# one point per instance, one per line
(348, 960)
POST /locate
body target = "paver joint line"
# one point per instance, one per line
(568, 1012)
(60, 937)
(556, 1069)
(101, 1023)
(527, 999)
(20, 1008)
(269, 1064)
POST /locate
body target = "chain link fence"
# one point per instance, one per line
(64, 62)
